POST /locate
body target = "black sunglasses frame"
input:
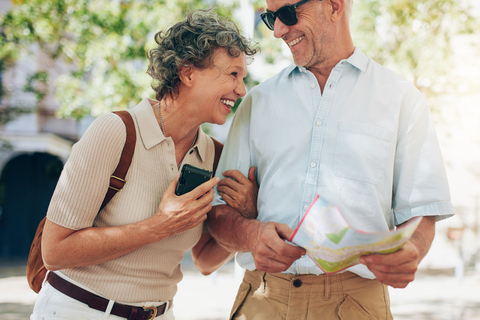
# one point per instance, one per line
(286, 14)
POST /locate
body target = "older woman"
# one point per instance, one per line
(124, 260)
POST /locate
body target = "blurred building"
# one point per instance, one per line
(33, 148)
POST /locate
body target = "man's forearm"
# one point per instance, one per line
(230, 229)
(422, 237)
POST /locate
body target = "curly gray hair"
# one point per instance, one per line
(192, 42)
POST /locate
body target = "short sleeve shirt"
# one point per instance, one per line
(366, 144)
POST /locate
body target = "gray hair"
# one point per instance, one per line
(192, 42)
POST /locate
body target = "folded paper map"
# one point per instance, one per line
(334, 245)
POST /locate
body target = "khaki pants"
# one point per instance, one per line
(345, 296)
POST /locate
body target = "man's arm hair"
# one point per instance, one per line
(230, 229)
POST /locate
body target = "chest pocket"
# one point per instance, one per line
(361, 152)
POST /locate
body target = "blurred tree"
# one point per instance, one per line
(414, 38)
(103, 43)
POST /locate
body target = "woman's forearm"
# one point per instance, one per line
(64, 248)
(208, 255)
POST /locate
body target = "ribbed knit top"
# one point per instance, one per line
(152, 272)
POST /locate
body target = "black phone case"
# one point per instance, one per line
(190, 178)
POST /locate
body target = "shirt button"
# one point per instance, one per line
(313, 164)
(319, 123)
(297, 283)
(305, 207)
(312, 85)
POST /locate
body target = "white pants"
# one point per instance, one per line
(52, 304)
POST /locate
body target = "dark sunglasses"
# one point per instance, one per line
(286, 14)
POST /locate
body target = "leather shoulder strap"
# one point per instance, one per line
(36, 270)
(218, 151)
(117, 180)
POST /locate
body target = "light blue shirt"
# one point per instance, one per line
(367, 145)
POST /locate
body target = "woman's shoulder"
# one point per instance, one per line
(107, 125)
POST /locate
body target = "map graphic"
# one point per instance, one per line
(334, 245)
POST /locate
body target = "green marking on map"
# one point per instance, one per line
(332, 267)
(336, 237)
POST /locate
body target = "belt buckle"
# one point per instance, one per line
(154, 309)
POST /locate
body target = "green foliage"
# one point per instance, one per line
(8, 114)
(37, 84)
(414, 38)
(102, 42)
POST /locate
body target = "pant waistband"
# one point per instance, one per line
(333, 283)
(101, 304)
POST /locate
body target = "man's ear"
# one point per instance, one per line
(186, 75)
(338, 9)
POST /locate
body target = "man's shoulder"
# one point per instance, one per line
(386, 75)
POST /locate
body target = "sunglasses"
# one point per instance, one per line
(286, 14)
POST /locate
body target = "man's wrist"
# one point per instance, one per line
(249, 229)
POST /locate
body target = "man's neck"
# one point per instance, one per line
(322, 70)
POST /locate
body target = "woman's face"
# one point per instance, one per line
(219, 86)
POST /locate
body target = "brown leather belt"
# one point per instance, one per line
(101, 304)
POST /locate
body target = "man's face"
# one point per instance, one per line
(311, 38)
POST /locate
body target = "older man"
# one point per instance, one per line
(334, 123)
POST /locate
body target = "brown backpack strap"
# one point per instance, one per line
(117, 180)
(36, 270)
(218, 151)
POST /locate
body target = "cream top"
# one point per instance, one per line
(152, 272)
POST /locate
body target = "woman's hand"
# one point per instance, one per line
(181, 213)
(239, 192)
(64, 248)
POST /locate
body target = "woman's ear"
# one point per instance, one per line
(186, 75)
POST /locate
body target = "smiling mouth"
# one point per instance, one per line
(229, 103)
(294, 42)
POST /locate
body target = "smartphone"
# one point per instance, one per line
(190, 178)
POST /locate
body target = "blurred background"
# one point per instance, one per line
(65, 62)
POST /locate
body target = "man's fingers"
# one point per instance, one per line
(237, 175)
(271, 266)
(228, 183)
(284, 252)
(395, 269)
(276, 260)
(284, 231)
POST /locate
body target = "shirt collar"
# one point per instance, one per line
(357, 60)
(151, 134)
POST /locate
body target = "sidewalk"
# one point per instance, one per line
(432, 296)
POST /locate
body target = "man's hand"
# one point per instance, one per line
(398, 269)
(239, 192)
(394, 269)
(270, 252)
